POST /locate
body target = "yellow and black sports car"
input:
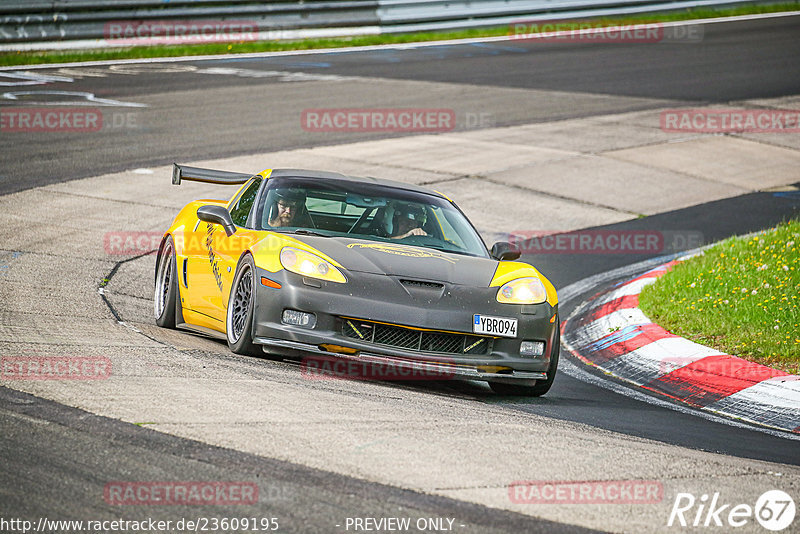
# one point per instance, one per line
(303, 263)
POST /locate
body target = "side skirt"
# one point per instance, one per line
(202, 330)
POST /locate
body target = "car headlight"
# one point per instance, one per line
(308, 264)
(522, 291)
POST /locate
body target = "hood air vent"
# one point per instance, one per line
(422, 284)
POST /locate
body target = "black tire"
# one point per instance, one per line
(542, 386)
(165, 295)
(241, 306)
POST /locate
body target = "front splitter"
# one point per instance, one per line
(421, 368)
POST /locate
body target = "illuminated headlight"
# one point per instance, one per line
(298, 318)
(308, 264)
(531, 348)
(522, 291)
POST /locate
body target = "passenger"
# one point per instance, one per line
(408, 221)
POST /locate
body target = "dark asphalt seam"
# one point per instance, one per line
(47, 189)
(113, 310)
(750, 104)
(446, 180)
(51, 314)
(555, 196)
(740, 135)
(696, 176)
(647, 145)
(53, 255)
(383, 164)
(117, 294)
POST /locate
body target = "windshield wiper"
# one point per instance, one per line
(304, 231)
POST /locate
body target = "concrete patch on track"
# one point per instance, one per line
(778, 139)
(726, 160)
(420, 436)
(455, 154)
(625, 184)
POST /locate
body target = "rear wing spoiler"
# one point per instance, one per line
(209, 176)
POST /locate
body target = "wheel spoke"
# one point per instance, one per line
(164, 280)
(167, 280)
(241, 303)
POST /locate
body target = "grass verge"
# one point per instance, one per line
(740, 297)
(135, 52)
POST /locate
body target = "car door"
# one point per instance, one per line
(209, 265)
(226, 250)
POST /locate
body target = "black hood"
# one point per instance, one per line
(396, 259)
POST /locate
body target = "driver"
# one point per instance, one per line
(288, 205)
(408, 220)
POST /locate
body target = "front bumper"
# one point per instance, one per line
(415, 368)
(382, 298)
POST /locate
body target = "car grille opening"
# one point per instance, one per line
(415, 340)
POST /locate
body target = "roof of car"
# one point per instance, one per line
(325, 175)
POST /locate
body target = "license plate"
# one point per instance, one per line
(495, 326)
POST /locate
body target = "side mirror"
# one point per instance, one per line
(217, 215)
(504, 251)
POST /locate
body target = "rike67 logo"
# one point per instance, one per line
(774, 510)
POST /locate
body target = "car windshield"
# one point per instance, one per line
(339, 208)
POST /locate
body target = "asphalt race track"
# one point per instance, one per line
(221, 112)
(201, 110)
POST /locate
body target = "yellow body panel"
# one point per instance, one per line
(511, 270)
(200, 319)
(265, 174)
(211, 258)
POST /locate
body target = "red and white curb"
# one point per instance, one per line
(611, 333)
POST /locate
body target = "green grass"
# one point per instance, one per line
(740, 297)
(50, 56)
